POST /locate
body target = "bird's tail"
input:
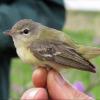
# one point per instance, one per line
(89, 52)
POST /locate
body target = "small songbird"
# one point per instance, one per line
(43, 46)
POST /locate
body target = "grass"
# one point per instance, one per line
(20, 78)
(21, 73)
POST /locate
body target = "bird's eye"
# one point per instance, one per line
(26, 31)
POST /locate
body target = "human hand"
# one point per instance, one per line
(57, 87)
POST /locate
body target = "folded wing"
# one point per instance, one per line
(61, 53)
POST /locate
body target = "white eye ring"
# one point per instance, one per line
(25, 31)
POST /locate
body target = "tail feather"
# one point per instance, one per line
(89, 52)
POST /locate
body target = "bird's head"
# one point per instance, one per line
(24, 31)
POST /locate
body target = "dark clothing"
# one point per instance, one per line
(48, 12)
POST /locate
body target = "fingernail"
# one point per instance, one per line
(33, 92)
(30, 94)
(59, 79)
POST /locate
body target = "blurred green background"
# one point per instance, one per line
(83, 27)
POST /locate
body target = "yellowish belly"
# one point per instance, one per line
(27, 56)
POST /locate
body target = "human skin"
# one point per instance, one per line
(50, 84)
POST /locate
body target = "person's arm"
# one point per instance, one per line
(9, 14)
(48, 12)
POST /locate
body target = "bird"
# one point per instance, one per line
(43, 46)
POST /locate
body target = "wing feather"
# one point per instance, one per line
(61, 53)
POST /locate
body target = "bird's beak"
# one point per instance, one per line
(7, 32)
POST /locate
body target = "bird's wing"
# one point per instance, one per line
(61, 53)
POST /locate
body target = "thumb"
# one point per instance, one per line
(60, 89)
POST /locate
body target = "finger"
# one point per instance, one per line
(35, 94)
(60, 89)
(39, 77)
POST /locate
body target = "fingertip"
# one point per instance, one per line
(39, 77)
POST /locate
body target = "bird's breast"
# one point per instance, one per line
(26, 55)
